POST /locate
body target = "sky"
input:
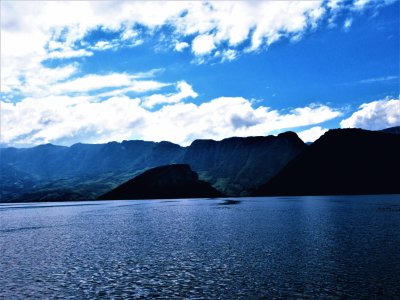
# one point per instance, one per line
(101, 71)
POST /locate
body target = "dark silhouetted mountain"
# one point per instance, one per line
(342, 161)
(165, 182)
(235, 166)
(392, 130)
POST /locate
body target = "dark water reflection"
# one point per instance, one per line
(229, 202)
(300, 247)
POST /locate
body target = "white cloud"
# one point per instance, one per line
(180, 46)
(228, 55)
(70, 119)
(184, 90)
(359, 4)
(45, 22)
(33, 31)
(43, 82)
(58, 103)
(334, 4)
(135, 86)
(312, 134)
(67, 120)
(103, 45)
(93, 82)
(61, 81)
(375, 115)
(68, 53)
(129, 34)
(347, 24)
(362, 4)
(203, 44)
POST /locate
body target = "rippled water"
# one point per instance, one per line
(287, 247)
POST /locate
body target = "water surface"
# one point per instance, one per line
(245, 248)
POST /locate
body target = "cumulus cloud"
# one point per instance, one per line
(70, 119)
(312, 134)
(375, 115)
(62, 105)
(203, 44)
(66, 120)
(38, 30)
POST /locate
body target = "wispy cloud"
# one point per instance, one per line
(378, 79)
(64, 81)
(347, 24)
(184, 90)
(69, 53)
(381, 79)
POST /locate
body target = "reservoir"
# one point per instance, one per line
(238, 248)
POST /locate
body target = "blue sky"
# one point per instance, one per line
(178, 71)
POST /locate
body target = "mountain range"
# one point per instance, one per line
(234, 166)
(342, 161)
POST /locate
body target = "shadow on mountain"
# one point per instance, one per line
(165, 182)
(342, 162)
(392, 130)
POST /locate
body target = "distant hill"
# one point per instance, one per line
(13, 181)
(342, 161)
(392, 130)
(165, 182)
(235, 166)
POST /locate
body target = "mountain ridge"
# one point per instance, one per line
(235, 166)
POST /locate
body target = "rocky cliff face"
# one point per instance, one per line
(237, 166)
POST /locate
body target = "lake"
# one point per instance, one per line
(244, 248)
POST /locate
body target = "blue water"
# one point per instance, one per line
(284, 247)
